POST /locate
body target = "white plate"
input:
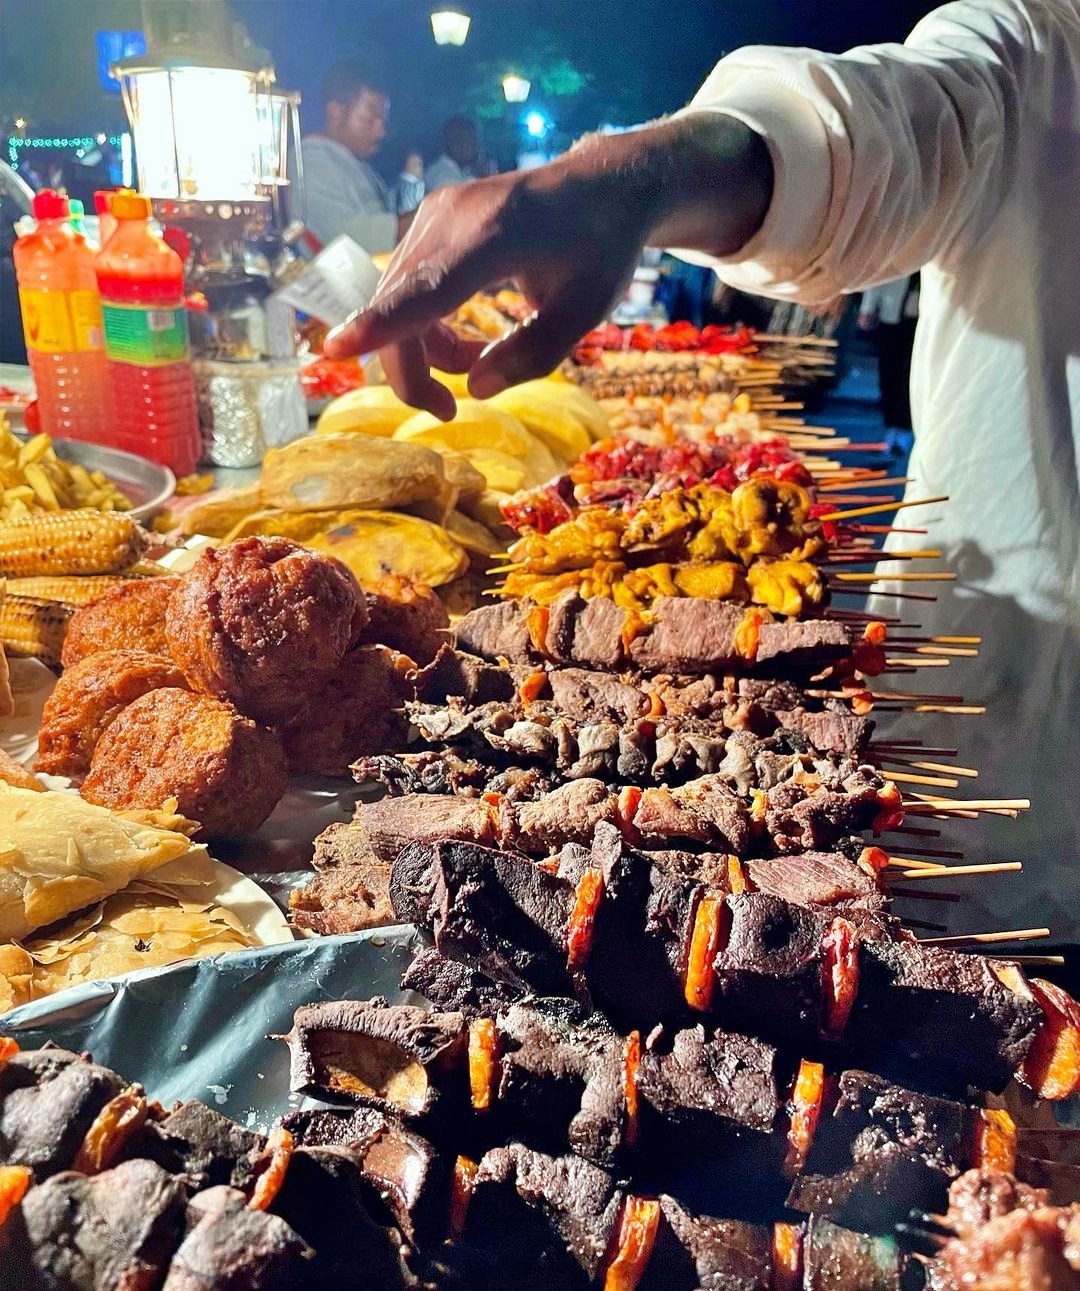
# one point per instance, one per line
(231, 890)
(31, 685)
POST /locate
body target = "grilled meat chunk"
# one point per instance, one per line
(48, 1100)
(882, 1151)
(397, 1057)
(231, 1248)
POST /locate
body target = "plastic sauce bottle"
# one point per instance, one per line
(61, 312)
(78, 215)
(106, 221)
(141, 281)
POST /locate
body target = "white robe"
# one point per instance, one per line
(959, 153)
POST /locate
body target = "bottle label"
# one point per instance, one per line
(59, 322)
(145, 336)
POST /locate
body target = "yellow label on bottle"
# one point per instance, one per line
(58, 322)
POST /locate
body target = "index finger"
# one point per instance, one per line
(409, 300)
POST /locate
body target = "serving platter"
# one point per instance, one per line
(146, 484)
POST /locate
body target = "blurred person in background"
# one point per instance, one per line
(799, 175)
(409, 189)
(460, 156)
(344, 192)
(890, 311)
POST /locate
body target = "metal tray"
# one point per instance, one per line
(148, 485)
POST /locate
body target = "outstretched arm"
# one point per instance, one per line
(570, 233)
(796, 174)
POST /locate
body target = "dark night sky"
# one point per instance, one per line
(643, 57)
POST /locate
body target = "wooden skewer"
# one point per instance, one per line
(927, 803)
(883, 528)
(1034, 961)
(878, 510)
(906, 662)
(783, 338)
(942, 782)
(919, 894)
(966, 772)
(887, 483)
(905, 576)
(907, 862)
(946, 853)
(939, 640)
(951, 708)
(986, 938)
(916, 829)
(956, 871)
(928, 927)
(877, 591)
(944, 652)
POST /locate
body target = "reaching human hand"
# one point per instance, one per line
(569, 234)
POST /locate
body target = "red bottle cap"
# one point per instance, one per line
(102, 198)
(50, 205)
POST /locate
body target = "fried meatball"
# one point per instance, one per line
(357, 713)
(130, 616)
(263, 623)
(86, 699)
(407, 616)
(223, 770)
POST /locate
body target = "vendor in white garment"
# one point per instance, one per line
(343, 191)
(800, 175)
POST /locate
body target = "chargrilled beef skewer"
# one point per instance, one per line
(662, 750)
(709, 1106)
(535, 1221)
(800, 815)
(758, 705)
(679, 635)
(653, 946)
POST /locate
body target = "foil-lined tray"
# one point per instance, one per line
(204, 1029)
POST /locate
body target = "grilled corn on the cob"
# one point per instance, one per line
(68, 589)
(33, 628)
(69, 542)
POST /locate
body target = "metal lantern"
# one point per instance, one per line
(515, 88)
(450, 27)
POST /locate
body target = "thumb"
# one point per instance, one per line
(536, 346)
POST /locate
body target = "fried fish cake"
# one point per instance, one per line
(88, 697)
(407, 616)
(130, 616)
(357, 713)
(223, 769)
(263, 623)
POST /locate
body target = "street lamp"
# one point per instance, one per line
(515, 88)
(536, 125)
(450, 27)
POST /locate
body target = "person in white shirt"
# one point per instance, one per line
(457, 163)
(801, 175)
(344, 193)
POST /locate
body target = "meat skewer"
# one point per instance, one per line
(722, 1109)
(662, 947)
(681, 635)
(705, 814)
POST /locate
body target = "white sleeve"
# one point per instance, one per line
(890, 156)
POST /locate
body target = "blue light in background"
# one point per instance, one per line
(536, 124)
(111, 47)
